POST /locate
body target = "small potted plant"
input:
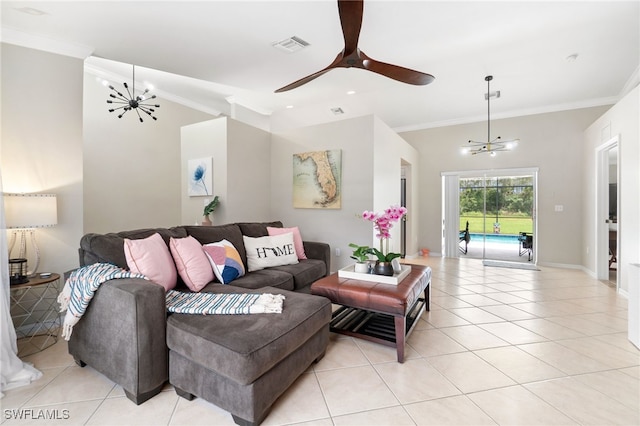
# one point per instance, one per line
(208, 209)
(361, 256)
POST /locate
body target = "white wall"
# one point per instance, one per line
(369, 148)
(249, 186)
(132, 174)
(623, 120)
(41, 146)
(390, 153)
(241, 170)
(552, 142)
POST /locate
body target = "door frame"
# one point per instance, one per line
(602, 209)
(451, 204)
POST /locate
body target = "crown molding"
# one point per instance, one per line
(511, 114)
(631, 83)
(47, 44)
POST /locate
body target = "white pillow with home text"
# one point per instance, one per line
(275, 250)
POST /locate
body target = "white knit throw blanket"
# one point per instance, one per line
(224, 303)
(81, 286)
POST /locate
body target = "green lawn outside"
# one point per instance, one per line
(508, 225)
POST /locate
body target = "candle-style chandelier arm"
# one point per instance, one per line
(132, 101)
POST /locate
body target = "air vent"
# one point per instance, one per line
(337, 111)
(290, 45)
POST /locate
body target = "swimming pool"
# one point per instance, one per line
(496, 238)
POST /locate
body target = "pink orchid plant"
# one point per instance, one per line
(383, 222)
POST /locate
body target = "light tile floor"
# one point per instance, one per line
(499, 346)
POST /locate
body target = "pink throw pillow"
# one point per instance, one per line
(297, 239)
(150, 257)
(192, 262)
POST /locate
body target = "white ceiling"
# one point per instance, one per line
(224, 51)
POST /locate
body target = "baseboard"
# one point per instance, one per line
(561, 265)
(513, 265)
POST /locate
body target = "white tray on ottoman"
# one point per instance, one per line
(348, 272)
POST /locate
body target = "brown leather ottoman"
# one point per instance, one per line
(381, 313)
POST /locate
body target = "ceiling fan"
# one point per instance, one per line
(352, 57)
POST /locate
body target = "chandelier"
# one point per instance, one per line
(132, 102)
(491, 146)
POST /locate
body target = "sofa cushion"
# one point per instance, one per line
(304, 273)
(191, 261)
(257, 229)
(266, 252)
(150, 257)
(297, 239)
(265, 277)
(244, 347)
(109, 248)
(225, 261)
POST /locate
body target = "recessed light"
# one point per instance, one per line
(351, 92)
(289, 106)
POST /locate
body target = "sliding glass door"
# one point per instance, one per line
(494, 214)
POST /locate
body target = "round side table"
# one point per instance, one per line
(34, 313)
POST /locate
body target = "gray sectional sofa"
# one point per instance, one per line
(241, 363)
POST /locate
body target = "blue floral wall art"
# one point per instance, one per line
(200, 177)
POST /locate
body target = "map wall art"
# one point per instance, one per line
(317, 180)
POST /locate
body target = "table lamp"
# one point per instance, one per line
(24, 213)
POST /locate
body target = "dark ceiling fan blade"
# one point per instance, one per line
(302, 81)
(313, 76)
(402, 74)
(350, 12)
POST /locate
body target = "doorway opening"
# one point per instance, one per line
(607, 208)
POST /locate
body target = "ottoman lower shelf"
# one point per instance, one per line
(374, 326)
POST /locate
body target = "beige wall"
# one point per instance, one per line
(41, 146)
(241, 170)
(552, 142)
(132, 173)
(369, 148)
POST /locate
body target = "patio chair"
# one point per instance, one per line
(464, 237)
(526, 244)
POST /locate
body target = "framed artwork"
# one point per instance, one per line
(317, 180)
(200, 177)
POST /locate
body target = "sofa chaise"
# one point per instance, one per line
(242, 363)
